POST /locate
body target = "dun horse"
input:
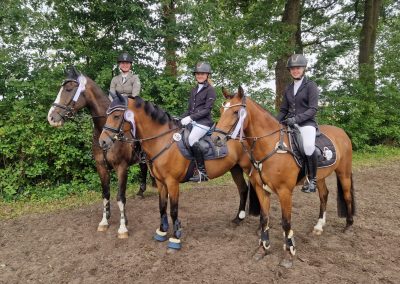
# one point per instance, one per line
(278, 172)
(155, 130)
(77, 92)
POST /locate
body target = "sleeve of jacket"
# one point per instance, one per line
(313, 94)
(135, 86)
(283, 109)
(113, 85)
(207, 107)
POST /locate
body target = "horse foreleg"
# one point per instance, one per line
(161, 232)
(237, 175)
(122, 173)
(285, 199)
(323, 197)
(105, 185)
(174, 243)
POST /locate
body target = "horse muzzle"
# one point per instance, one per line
(55, 119)
(105, 142)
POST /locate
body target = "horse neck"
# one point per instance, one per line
(97, 103)
(261, 121)
(147, 127)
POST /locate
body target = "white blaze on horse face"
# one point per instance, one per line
(226, 106)
(57, 101)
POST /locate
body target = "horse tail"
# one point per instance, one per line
(341, 202)
(254, 203)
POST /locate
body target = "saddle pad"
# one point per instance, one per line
(324, 147)
(210, 150)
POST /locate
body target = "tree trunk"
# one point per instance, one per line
(291, 17)
(170, 42)
(367, 42)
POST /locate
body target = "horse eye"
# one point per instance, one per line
(236, 112)
(117, 116)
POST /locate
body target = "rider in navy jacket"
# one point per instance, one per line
(201, 101)
(299, 106)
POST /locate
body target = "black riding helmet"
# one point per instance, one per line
(202, 67)
(124, 57)
(296, 60)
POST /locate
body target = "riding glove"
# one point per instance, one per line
(186, 120)
(290, 121)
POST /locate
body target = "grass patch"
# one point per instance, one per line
(371, 157)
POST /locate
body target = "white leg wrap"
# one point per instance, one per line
(242, 214)
(104, 221)
(122, 227)
(321, 223)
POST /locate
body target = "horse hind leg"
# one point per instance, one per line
(323, 197)
(345, 198)
(105, 185)
(237, 175)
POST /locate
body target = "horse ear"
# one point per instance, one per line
(226, 94)
(120, 97)
(71, 72)
(240, 92)
(75, 71)
(112, 95)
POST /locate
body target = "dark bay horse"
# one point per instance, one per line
(157, 133)
(278, 172)
(77, 92)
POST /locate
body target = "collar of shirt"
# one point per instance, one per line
(296, 85)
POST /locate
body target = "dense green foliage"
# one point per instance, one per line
(241, 39)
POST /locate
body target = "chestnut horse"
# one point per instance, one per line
(157, 133)
(278, 172)
(77, 92)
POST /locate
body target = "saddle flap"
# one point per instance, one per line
(210, 150)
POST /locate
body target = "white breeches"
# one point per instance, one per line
(308, 135)
(197, 132)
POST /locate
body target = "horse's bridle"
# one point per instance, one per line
(70, 111)
(120, 133)
(250, 151)
(228, 134)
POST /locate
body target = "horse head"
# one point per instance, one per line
(69, 99)
(233, 115)
(115, 121)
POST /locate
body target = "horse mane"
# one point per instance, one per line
(264, 110)
(155, 112)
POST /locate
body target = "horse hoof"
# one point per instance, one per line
(123, 235)
(102, 228)
(317, 232)
(237, 221)
(260, 253)
(174, 244)
(171, 251)
(286, 263)
(140, 194)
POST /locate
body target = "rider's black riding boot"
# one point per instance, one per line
(201, 169)
(143, 176)
(312, 173)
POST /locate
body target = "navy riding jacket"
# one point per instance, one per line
(200, 104)
(303, 107)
